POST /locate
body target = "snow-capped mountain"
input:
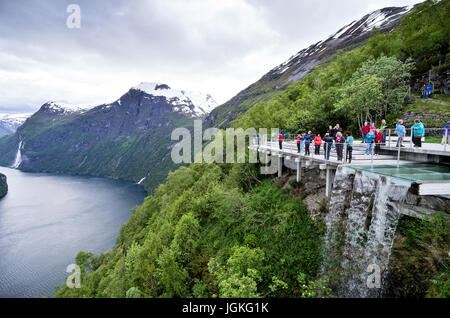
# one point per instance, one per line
(10, 122)
(300, 64)
(64, 108)
(129, 138)
(303, 61)
(193, 103)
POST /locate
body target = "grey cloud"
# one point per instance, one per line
(216, 46)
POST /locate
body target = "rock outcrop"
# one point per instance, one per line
(3, 186)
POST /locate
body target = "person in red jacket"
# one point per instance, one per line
(280, 140)
(365, 130)
(299, 140)
(317, 143)
(378, 141)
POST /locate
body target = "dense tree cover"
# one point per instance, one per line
(206, 233)
(371, 81)
(419, 264)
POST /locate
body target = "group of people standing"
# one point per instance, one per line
(426, 90)
(333, 137)
(371, 135)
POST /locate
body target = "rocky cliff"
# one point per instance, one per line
(3, 186)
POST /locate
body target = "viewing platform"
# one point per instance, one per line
(387, 162)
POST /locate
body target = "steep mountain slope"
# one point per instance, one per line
(10, 122)
(295, 69)
(127, 139)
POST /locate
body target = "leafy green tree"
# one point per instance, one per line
(240, 275)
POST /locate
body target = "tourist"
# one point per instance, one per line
(349, 142)
(338, 128)
(328, 142)
(378, 141)
(308, 139)
(302, 143)
(317, 144)
(365, 130)
(423, 91)
(429, 90)
(400, 130)
(280, 140)
(418, 132)
(298, 142)
(331, 131)
(369, 140)
(446, 132)
(340, 141)
(383, 128)
(372, 127)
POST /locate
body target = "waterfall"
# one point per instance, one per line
(18, 159)
(361, 226)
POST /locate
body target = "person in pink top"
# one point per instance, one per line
(372, 126)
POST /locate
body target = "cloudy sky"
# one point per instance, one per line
(214, 46)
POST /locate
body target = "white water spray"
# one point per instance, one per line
(18, 159)
(361, 228)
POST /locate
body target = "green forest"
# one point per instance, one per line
(224, 230)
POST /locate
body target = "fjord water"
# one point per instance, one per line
(46, 219)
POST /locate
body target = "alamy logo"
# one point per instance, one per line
(374, 278)
(74, 19)
(74, 279)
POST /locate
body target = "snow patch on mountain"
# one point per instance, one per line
(379, 19)
(64, 108)
(10, 122)
(189, 102)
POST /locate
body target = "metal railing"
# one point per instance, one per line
(390, 141)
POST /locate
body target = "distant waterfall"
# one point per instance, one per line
(18, 159)
(361, 226)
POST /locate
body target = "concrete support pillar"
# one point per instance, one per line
(299, 169)
(280, 165)
(328, 183)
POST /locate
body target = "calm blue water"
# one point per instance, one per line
(46, 219)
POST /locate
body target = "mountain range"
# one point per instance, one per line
(130, 138)
(127, 139)
(10, 122)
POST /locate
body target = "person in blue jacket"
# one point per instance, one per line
(446, 132)
(302, 142)
(349, 142)
(418, 132)
(400, 130)
(370, 139)
(308, 139)
(328, 142)
(429, 90)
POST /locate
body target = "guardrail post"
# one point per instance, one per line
(398, 154)
(411, 141)
(344, 159)
(446, 139)
(371, 154)
(389, 138)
